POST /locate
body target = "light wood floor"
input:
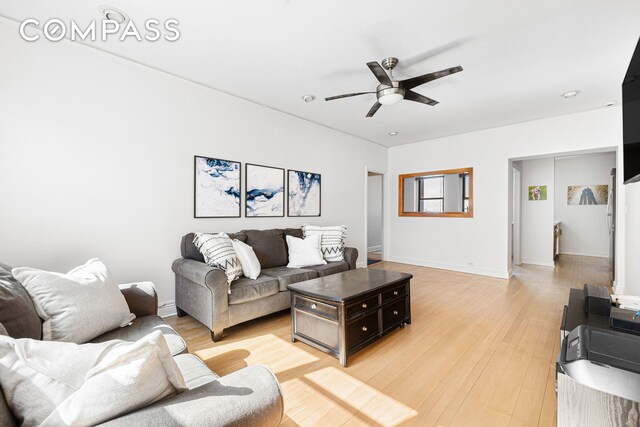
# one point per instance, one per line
(480, 352)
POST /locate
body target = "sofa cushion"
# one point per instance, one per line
(245, 289)
(189, 251)
(17, 312)
(59, 383)
(194, 371)
(268, 246)
(287, 276)
(330, 268)
(143, 326)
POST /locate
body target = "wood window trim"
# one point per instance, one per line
(402, 177)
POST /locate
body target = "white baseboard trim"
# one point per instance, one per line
(374, 248)
(540, 263)
(167, 308)
(480, 271)
(596, 255)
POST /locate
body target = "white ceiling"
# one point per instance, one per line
(518, 56)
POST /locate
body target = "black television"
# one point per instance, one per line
(631, 119)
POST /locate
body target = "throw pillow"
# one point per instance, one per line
(17, 312)
(332, 242)
(218, 252)
(57, 383)
(304, 252)
(77, 306)
(248, 259)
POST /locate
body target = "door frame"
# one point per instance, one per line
(366, 212)
(516, 250)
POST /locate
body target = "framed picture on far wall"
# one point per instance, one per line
(304, 195)
(587, 194)
(264, 187)
(217, 184)
(538, 192)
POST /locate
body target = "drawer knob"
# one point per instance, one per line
(364, 329)
(314, 306)
(395, 292)
(364, 305)
(395, 312)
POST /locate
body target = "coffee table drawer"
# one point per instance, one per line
(394, 314)
(319, 329)
(316, 307)
(396, 292)
(360, 307)
(362, 329)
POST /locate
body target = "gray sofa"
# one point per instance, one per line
(201, 290)
(250, 396)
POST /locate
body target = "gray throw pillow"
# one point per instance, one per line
(17, 312)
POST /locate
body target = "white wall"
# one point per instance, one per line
(96, 160)
(482, 244)
(584, 228)
(374, 212)
(537, 215)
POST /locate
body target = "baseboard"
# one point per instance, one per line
(480, 271)
(595, 255)
(540, 263)
(374, 248)
(167, 309)
(361, 264)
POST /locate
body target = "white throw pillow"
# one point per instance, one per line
(77, 306)
(218, 252)
(304, 252)
(57, 383)
(248, 259)
(333, 239)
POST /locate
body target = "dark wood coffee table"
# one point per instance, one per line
(342, 313)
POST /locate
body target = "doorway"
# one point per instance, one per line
(375, 224)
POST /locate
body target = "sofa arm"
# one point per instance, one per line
(248, 397)
(351, 256)
(199, 272)
(202, 292)
(141, 298)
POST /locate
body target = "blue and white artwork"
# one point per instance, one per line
(304, 193)
(265, 191)
(217, 188)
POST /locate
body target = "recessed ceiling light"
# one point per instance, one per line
(113, 14)
(570, 94)
(394, 133)
(308, 98)
(610, 103)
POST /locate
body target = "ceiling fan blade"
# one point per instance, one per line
(373, 109)
(413, 96)
(420, 80)
(379, 72)
(346, 95)
(423, 56)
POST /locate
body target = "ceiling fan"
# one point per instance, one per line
(391, 91)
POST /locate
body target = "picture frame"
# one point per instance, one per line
(304, 193)
(264, 191)
(217, 185)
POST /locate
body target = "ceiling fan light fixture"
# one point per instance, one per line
(390, 99)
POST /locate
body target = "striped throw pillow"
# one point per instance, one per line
(331, 242)
(217, 250)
